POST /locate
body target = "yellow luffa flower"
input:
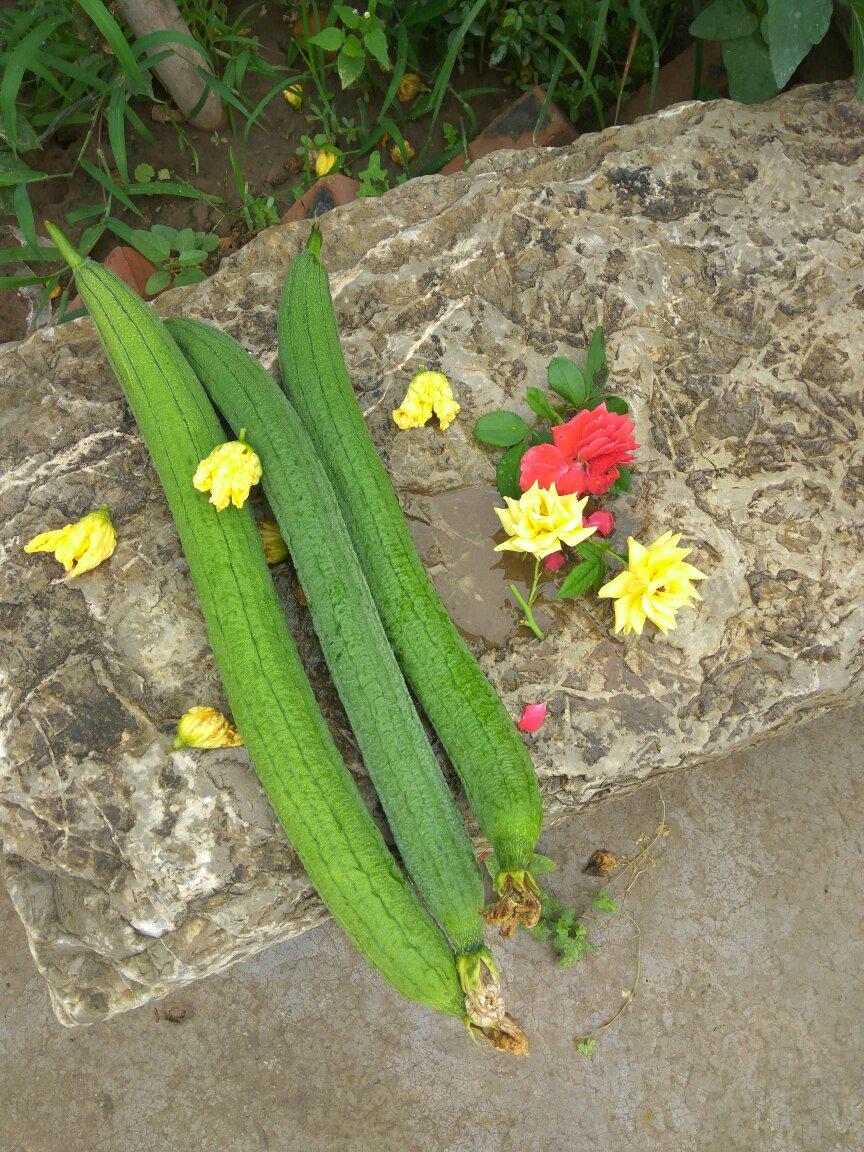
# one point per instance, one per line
(227, 474)
(275, 548)
(655, 584)
(294, 95)
(80, 546)
(206, 728)
(428, 392)
(540, 521)
(409, 86)
(325, 161)
(399, 155)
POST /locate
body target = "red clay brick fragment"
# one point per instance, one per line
(133, 268)
(675, 82)
(514, 128)
(327, 193)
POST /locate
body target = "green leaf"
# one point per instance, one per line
(538, 402)
(507, 473)
(163, 174)
(14, 171)
(351, 61)
(117, 132)
(492, 865)
(189, 276)
(143, 173)
(567, 380)
(603, 902)
(110, 29)
(587, 1046)
(616, 404)
(792, 28)
(585, 575)
(748, 66)
(541, 932)
(624, 481)
(158, 282)
(15, 65)
(150, 244)
(375, 43)
(185, 240)
(501, 429)
(571, 941)
(540, 436)
(724, 20)
(350, 17)
(191, 257)
(596, 368)
(108, 184)
(541, 865)
(23, 210)
(330, 39)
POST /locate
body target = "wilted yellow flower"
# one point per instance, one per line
(80, 546)
(655, 584)
(294, 95)
(275, 548)
(206, 728)
(228, 473)
(540, 521)
(396, 153)
(409, 86)
(325, 161)
(428, 392)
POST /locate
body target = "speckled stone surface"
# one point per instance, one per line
(722, 248)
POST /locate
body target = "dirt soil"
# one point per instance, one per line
(268, 159)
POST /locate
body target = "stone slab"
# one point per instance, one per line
(723, 248)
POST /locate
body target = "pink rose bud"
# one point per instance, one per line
(533, 716)
(553, 561)
(602, 521)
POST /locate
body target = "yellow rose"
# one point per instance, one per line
(80, 546)
(206, 728)
(227, 474)
(428, 392)
(655, 584)
(540, 521)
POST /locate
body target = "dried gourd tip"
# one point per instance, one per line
(506, 1036)
(518, 904)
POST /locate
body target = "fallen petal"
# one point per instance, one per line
(533, 716)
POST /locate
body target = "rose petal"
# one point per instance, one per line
(553, 561)
(601, 520)
(533, 716)
(544, 465)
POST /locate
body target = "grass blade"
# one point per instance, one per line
(117, 132)
(18, 62)
(118, 44)
(109, 185)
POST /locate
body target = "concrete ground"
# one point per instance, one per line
(744, 1032)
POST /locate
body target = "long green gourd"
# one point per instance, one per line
(470, 719)
(419, 807)
(272, 703)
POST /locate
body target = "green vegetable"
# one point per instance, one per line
(479, 736)
(397, 754)
(289, 744)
